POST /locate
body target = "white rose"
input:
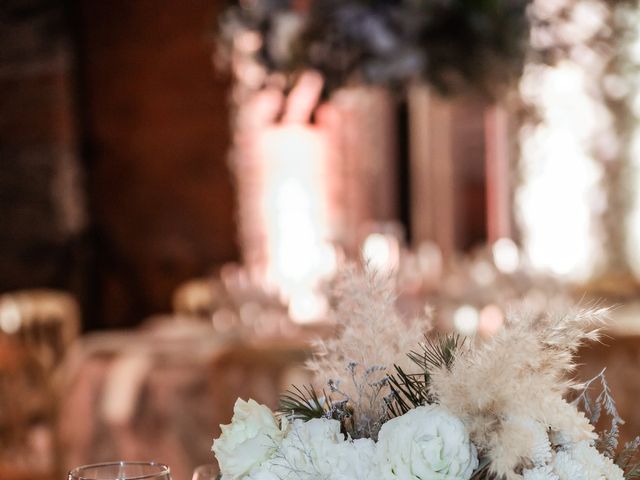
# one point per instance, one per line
(426, 443)
(262, 473)
(354, 460)
(308, 451)
(250, 439)
(325, 457)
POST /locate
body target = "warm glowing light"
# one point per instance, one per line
(633, 237)
(483, 273)
(491, 320)
(430, 257)
(381, 252)
(506, 255)
(307, 306)
(10, 318)
(248, 41)
(223, 320)
(560, 188)
(466, 319)
(295, 205)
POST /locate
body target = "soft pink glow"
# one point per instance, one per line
(491, 320)
(293, 197)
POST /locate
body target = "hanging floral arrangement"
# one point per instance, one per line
(450, 44)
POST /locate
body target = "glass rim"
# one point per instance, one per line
(76, 473)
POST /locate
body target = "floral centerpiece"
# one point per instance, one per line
(392, 403)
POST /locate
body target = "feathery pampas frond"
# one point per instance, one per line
(371, 339)
(521, 374)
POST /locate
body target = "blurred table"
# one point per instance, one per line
(160, 392)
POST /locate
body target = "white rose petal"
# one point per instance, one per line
(262, 473)
(249, 440)
(426, 443)
(355, 460)
(317, 450)
(308, 450)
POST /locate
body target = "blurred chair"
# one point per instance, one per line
(143, 394)
(234, 306)
(44, 321)
(198, 297)
(27, 415)
(159, 393)
(36, 329)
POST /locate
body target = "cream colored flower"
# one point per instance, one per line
(540, 473)
(537, 438)
(426, 443)
(583, 461)
(250, 439)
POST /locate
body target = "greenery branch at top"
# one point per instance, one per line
(407, 390)
(411, 390)
(437, 352)
(473, 44)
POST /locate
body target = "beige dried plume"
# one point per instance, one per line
(523, 372)
(371, 338)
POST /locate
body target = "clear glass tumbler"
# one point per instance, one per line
(121, 471)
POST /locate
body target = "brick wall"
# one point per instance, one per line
(42, 208)
(156, 134)
(113, 138)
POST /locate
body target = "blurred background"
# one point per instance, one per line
(180, 181)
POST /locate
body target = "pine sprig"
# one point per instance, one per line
(304, 405)
(408, 391)
(437, 352)
(482, 472)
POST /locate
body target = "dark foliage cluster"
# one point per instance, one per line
(451, 44)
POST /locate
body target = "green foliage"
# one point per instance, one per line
(437, 352)
(304, 405)
(408, 390)
(482, 472)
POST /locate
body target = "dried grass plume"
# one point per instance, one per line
(371, 338)
(521, 374)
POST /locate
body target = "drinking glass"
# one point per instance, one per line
(121, 471)
(205, 472)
